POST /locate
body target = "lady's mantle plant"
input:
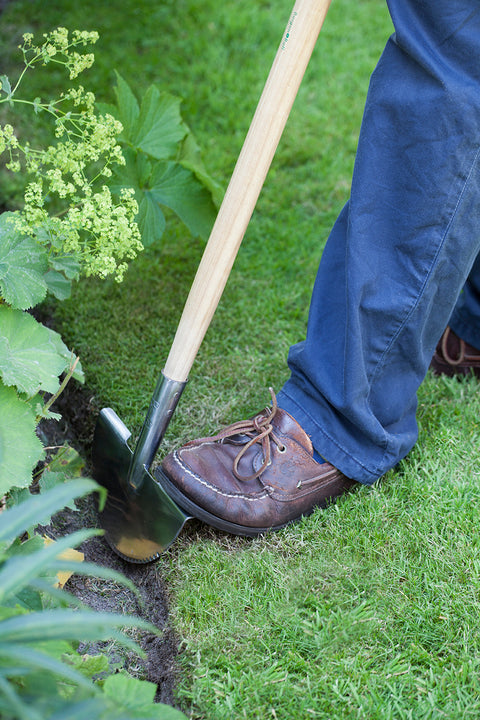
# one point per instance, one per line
(79, 216)
(68, 207)
(70, 224)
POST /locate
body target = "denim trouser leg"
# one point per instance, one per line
(402, 248)
(465, 320)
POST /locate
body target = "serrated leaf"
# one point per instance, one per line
(159, 127)
(31, 355)
(20, 448)
(68, 461)
(88, 665)
(177, 188)
(190, 157)
(137, 696)
(66, 264)
(129, 692)
(150, 219)
(17, 495)
(58, 285)
(128, 109)
(23, 263)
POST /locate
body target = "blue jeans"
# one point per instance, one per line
(403, 248)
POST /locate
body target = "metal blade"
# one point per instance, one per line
(140, 523)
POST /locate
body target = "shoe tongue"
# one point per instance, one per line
(285, 424)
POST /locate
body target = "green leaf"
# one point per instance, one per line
(138, 696)
(128, 109)
(177, 188)
(190, 157)
(73, 625)
(159, 127)
(128, 692)
(41, 661)
(31, 356)
(5, 84)
(17, 495)
(68, 461)
(17, 519)
(58, 285)
(68, 356)
(92, 708)
(20, 448)
(12, 705)
(22, 266)
(150, 219)
(17, 571)
(49, 480)
(134, 174)
(88, 665)
(66, 264)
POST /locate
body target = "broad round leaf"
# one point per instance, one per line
(23, 263)
(31, 356)
(20, 449)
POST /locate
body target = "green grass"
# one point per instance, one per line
(367, 610)
(370, 608)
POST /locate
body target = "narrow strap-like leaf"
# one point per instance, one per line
(17, 519)
(62, 624)
(17, 572)
(41, 661)
(15, 703)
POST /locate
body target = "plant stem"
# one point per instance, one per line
(62, 387)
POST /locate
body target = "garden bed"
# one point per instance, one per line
(79, 411)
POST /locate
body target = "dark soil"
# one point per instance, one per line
(79, 411)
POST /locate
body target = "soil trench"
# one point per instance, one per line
(79, 411)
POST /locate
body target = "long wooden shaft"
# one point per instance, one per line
(246, 183)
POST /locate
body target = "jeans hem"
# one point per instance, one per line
(325, 444)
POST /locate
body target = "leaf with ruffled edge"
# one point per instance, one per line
(31, 356)
(23, 263)
(20, 448)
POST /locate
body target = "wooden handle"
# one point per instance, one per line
(246, 183)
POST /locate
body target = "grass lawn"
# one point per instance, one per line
(370, 608)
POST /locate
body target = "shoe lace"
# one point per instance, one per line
(444, 345)
(260, 430)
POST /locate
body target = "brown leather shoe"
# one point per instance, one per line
(453, 356)
(254, 476)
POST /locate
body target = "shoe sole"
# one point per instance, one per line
(200, 513)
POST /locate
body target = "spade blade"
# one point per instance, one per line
(139, 523)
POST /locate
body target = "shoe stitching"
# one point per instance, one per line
(306, 490)
(264, 496)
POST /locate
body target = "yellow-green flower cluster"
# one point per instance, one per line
(62, 200)
(57, 47)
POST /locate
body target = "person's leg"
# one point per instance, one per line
(465, 320)
(388, 281)
(402, 248)
(458, 350)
